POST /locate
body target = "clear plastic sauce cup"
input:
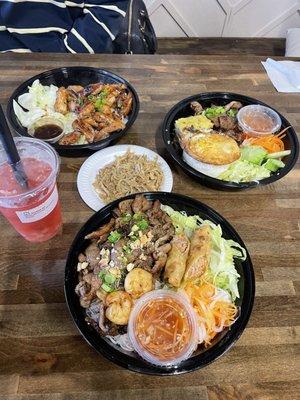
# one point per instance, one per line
(163, 328)
(257, 120)
(35, 212)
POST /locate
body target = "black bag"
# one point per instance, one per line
(136, 35)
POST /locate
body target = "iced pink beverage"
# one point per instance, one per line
(35, 212)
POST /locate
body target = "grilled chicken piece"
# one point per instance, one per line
(87, 130)
(125, 206)
(70, 138)
(227, 123)
(75, 88)
(141, 204)
(115, 125)
(233, 104)
(91, 121)
(87, 110)
(61, 103)
(124, 102)
(196, 107)
(104, 229)
(97, 87)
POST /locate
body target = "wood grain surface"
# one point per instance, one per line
(42, 356)
(268, 47)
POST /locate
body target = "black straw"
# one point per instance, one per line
(10, 148)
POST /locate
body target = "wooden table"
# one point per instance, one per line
(43, 357)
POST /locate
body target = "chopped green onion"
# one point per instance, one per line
(114, 236)
(107, 288)
(143, 224)
(102, 274)
(232, 112)
(109, 278)
(126, 249)
(138, 216)
(126, 218)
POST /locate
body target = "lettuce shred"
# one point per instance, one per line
(221, 272)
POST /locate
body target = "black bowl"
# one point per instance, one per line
(75, 76)
(182, 109)
(132, 361)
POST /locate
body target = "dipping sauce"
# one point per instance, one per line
(48, 131)
(164, 328)
(257, 120)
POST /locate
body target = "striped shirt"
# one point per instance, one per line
(60, 25)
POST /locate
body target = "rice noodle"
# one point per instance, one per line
(121, 340)
(128, 174)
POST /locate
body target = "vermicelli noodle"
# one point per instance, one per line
(128, 174)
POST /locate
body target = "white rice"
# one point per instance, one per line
(208, 169)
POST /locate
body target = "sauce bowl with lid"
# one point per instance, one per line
(163, 328)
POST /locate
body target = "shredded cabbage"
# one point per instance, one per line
(221, 272)
(39, 96)
(244, 171)
(182, 222)
(27, 118)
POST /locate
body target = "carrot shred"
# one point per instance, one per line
(271, 143)
(212, 313)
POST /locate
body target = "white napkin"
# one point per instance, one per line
(285, 75)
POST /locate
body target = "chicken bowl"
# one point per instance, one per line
(160, 253)
(93, 108)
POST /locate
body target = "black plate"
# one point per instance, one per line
(182, 109)
(66, 76)
(130, 360)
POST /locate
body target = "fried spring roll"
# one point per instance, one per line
(176, 262)
(199, 255)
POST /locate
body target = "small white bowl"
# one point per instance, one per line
(46, 120)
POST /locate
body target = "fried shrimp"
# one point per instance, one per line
(119, 305)
(138, 282)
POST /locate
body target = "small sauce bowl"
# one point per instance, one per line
(48, 129)
(258, 121)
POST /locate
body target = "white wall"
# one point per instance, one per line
(227, 18)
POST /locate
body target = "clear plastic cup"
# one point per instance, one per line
(154, 332)
(257, 120)
(35, 212)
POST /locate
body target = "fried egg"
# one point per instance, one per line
(213, 148)
(196, 122)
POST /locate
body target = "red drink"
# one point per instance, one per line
(35, 212)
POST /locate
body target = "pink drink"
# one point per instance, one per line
(35, 212)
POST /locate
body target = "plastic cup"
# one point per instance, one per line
(248, 117)
(35, 213)
(177, 304)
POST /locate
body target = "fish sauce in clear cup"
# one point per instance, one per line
(163, 328)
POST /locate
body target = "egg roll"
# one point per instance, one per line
(199, 255)
(177, 258)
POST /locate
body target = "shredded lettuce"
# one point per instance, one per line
(182, 222)
(244, 171)
(221, 272)
(38, 96)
